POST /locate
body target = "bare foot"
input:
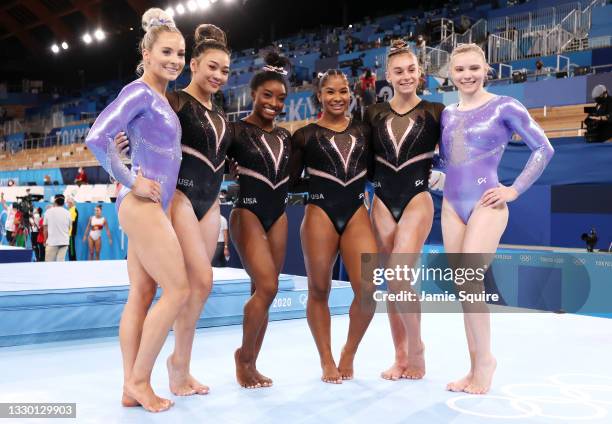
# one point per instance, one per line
(246, 374)
(331, 373)
(265, 381)
(459, 385)
(128, 401)
(482, 376)
(395, 372)
(345, 366)
(143, 394)
(182, 383)
(415, 367)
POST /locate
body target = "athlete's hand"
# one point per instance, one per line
(84, 239)
(144, 187)
(110, 241)
(497, 196)
(233, 168)
(122, 144)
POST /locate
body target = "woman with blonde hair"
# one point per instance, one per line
(154, 254)
(475, 132)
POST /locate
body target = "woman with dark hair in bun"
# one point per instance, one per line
(195, 211)
(258, 223)
(154, 254)
(334, 151)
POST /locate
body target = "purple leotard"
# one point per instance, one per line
(155, 139)
(472, 145)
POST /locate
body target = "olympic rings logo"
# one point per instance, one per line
(526, 405)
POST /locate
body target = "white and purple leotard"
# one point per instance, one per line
(472, 145)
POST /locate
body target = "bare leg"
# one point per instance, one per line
(255, 252)
(453, 233)
(157, 248)
(484, 230)
(140, 297)
(90, 251)
(277, 238)
(97, 248)
(357, 238)
(320, 244)
(193, 237)
(407, 236)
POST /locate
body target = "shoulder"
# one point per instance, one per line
(137, 89)
(376, 109)
(303, 131)
(283, 132)
(434, 108)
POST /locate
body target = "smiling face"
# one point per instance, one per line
(403, 73)
(210, 70)
(468, 72)
(166, 58)
(98, 211)
(335, 95)
(269, 99)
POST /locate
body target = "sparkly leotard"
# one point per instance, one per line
(263, 166)
(403, 146)
(337, 164)
(154, 132)
(473, 142)
(206, 138)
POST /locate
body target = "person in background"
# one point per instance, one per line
(56, 227)
(222, 251)
(9, 225)
(95, 225)
(598, 122)
(81, 177)
(40, 241)
(74, 218)
(368, 88)
(34, 229)
(36, 225)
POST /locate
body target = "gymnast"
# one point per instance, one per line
(475, 133)
(405, 133)
(258, 223)
(154, 254)
(335, 154)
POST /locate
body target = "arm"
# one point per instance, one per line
(518, 119)
(226, 251)
(297, 184)
(108, 233)
(367, 133)
(130, 103)
(87, 229)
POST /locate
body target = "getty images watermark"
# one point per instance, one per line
(518, 281)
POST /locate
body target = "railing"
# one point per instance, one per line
(476, 33)
(548, 17)
(599, 42)
(556, 41)
(501, 49)
(436, 62)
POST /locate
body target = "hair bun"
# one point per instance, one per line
(210, 33)
(156, 17)
(398, 44)
(274, 59)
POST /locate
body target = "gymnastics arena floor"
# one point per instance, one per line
(551, 368)
(59, 344)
